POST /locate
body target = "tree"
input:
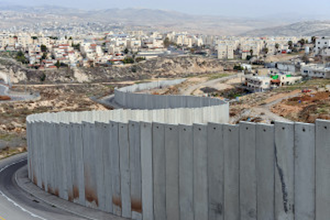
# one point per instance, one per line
(43, 48)
(305, 58)
(290, 43)
(126, 51)
(302, 42)
(238, 67)
(42, 77)
(58, 64)
(251, 52)
(128, 60)
(34, 37)
(265, 50)
(167, 42)
(277, 46)
(70, 38)
(21, 57)
(44, 56)
(139, 59)
(313, 39)
(76, 46)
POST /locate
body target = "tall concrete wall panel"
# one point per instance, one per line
(284, 171)
(304, 171)
(125, 181)
(186, 175)
(265, 171)
(172, 171)
(248, 187)
(135, 168)
(231, 141)
(200, 171)
(115, 169)
(159, 171)
(322, 171)
(215, 171)
(147, 170)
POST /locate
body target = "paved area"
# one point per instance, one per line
(209, 83)
(4, 91)
(22, 200)
(108, 101)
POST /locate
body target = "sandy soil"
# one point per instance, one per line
(53, 99)
(305, 108)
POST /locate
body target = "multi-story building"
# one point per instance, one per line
(322, 46)
(264, 83)
(316, 70)
(225, 51)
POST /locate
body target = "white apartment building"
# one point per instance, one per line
(257, 83)
(315, 70)
(91, 51)
(153, 43)
(286, 67)
(263, 83)
(133, 44)
(322, 46)
(226, 51)
(112, 49)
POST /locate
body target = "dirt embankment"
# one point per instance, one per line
(53, 99)
(306, 108)
(160, 67)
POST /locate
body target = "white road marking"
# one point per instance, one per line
(13, 202)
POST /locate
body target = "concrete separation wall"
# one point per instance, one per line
(144, 170)
(182, 163)
(126, 97)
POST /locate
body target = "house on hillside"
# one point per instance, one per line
(264, 83)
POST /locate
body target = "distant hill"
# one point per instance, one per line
(306, 28)
(163, 20)
(133, 17)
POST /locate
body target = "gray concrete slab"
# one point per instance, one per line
(265, 171)
(200, 171)
(304, 195)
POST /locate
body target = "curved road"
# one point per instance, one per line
(15, 204)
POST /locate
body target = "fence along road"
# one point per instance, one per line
(182, 163)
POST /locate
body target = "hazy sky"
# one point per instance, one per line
(239, 8)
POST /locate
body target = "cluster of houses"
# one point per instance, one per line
(45, 52)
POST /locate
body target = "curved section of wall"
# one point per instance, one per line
(127, 97)
(181, 164)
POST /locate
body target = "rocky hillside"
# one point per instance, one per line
(306, 28)
(161, 67)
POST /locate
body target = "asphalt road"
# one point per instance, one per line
(15, 204)
(3, 90)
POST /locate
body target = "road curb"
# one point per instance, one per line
(24, 183)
